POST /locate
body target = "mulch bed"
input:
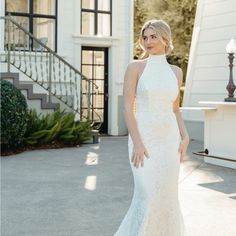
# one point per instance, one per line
(53, 145)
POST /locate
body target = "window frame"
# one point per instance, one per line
(31, 15)
(96, 12)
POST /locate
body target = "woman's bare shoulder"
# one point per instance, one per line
(135, 64)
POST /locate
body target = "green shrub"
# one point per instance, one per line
(13, 116)
(56, 127)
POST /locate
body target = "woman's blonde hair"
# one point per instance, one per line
(163, 32)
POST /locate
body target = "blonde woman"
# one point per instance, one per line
(158, 139)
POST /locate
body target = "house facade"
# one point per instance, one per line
(208, 71)
(94, 37)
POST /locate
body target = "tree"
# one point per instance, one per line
(140, 17)
(179, 14)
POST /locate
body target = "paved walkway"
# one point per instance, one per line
(86, 191)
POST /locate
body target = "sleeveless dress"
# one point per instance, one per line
(155, 208)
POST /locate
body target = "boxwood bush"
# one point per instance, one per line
(23, 129)
(13, 116)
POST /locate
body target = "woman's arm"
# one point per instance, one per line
(183, 132)
(129, 91)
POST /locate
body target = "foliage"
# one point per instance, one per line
(56, 127)
(179, 14)
(13, 116)
(140, 17)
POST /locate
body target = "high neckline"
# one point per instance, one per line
(157, 58)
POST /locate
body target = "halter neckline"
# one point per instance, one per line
(157, 58)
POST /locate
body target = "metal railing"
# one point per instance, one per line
(41, 64)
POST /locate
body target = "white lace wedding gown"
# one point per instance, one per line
(155, 209)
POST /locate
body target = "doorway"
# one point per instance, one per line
(94, 98)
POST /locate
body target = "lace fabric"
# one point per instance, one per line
(155, 209)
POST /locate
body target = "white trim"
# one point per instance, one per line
(97, 37)
(77, 8)
(2, 13)
(218, 103)
(29, 54)
(95, 41)
(196, 108)
(192, 55)
(193, 47)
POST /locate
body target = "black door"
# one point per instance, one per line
(94, 98)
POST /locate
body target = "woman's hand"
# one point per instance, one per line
(183, 148)
(138, 155)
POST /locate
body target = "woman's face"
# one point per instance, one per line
(151, 42)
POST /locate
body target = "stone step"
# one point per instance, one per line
(43, 97)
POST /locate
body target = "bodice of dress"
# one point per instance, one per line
(157, 87)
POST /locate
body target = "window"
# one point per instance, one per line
(38, 17)
(96, 17)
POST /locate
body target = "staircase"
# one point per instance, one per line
(42, 67)
(39, 101)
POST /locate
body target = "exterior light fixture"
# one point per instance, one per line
(230, 49)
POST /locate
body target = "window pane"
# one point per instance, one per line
(100, 84)
(87, 71)
(104, 5)
(99, 57)
(88, 23)
(44, 30)
(84, 114)
(98, 115)
(46, 7)
(98, 72)
(88, 4)
(22, 21)
(104, 24)
(17, 37)
(84, 101)
(87, 57)
(17, 6)
(98, 101)
(86, 87)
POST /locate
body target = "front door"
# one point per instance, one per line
(94, 98)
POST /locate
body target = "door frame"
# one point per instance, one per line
(104, 125)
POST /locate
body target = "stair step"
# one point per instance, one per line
(45, 104)
(36, 104)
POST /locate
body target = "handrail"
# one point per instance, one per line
(8, 17)
(46, 72)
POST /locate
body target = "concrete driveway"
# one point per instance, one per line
(86, 191)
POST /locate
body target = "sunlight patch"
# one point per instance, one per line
(90, 182)
(95, 147)
(92, 159)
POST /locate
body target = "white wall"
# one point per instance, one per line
(2, 13)
(208, 70)
(120, 44)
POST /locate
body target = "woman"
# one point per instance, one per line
(158, 139)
